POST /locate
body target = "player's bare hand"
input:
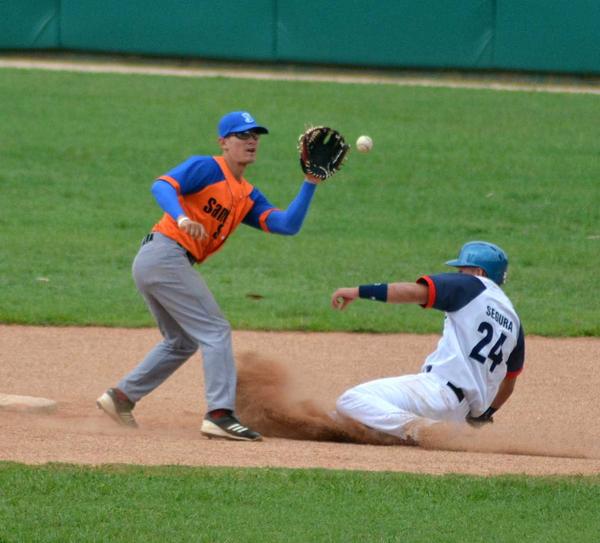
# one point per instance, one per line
(343, 296)
(195, 229)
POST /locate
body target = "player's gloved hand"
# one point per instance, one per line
(484, 418)
(193, 228)
(322, 152)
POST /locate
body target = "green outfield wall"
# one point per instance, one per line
(530, 35)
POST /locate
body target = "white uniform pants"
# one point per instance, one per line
(393, 404)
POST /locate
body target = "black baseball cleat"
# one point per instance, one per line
(228, 427)
(118, 407)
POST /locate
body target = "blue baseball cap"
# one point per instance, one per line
(239, 121)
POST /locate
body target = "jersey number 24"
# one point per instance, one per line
(495, 353)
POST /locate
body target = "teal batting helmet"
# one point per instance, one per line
(484, 255)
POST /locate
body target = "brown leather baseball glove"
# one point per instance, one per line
(322, 151)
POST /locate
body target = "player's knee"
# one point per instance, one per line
(182, 346)
(346, 403)
(222, 329)
(189, 349)
(218, 334)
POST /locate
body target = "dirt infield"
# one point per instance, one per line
(550, 426)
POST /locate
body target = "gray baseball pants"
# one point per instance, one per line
(188, 317)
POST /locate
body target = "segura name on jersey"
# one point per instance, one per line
(500, 318)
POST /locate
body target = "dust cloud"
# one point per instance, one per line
(269, 401)
(497, 439)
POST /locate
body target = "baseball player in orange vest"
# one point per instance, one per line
(204, 199)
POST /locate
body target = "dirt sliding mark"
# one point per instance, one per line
(268, 401)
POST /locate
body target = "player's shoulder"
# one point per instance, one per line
(457, 281)
(255, 193)
(196, 173)
(451, 291)
(203, 161)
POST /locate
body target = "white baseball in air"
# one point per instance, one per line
(364, 144)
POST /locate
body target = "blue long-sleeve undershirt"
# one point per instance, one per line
(290, 221)
(166, 196)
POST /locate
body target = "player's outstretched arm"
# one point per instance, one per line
(407, 293)
(289, 222)
(394, 293)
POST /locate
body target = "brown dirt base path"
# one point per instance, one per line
(288, 381)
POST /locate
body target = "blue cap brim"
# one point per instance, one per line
(245, 128)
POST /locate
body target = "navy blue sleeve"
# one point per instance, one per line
(516, 359)
(451, 291)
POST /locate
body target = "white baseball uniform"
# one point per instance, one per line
(482, 343)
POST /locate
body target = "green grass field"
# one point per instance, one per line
(230, 505)
(80, 151)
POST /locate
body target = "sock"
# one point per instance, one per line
(121, 396)
(219, 413)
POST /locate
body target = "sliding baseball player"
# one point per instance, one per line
(472, 372)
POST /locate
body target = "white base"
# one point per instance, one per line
(12, 402)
